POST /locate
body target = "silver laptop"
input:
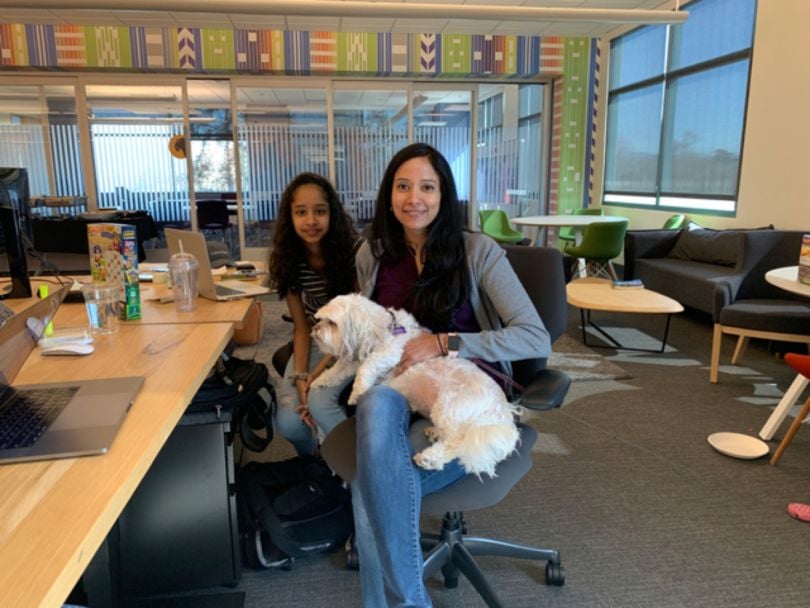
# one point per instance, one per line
(55, 419)
(194, 243)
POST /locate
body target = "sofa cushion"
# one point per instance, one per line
(690, 283)
(783, 316)
(707, 246)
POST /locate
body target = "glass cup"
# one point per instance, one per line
(103, 301)
(183, 269)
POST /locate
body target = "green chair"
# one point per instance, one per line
(601, 242)
(567, 234)
(676, 222)
(495, 223)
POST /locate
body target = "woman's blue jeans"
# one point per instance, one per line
(387, 496)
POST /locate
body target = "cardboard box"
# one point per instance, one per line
(114, 259)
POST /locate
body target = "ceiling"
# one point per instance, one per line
(590, 18)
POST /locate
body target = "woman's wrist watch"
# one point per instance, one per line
(453, 344)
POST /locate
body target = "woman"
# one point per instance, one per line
(312, 261)
(461, 287)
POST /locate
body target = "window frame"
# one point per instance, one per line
(709, 204)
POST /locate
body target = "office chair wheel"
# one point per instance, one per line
(555, 574)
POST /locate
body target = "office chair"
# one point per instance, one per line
(601, 242)
(495, 223)
(212, 214)
(540, 271)
(676, 222)
(567, 234)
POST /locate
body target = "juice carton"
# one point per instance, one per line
(114, 259)
(804, 260)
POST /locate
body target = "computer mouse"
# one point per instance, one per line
(69, 349)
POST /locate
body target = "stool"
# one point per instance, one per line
(801, 363)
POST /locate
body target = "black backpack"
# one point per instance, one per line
(290, 509)
(243, 387)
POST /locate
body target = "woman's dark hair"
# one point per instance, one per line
(338, 243)
(443, 286)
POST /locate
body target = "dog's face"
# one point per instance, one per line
(347, 327)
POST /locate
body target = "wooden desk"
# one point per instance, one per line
(152, 312)
(54, 515)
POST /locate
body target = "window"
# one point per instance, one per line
(676, 109)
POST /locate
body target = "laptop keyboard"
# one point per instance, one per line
(227, 291)
(28, 414)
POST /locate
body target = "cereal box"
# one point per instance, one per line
(114, 259)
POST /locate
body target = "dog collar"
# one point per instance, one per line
(396, 328)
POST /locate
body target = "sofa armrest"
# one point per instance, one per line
(725, 292)
(760, 251)
(640, 244)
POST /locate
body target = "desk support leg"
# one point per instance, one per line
(99, 579)
(781, 411)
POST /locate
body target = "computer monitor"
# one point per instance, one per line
(15, 230)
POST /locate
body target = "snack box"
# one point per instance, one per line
(114, 259)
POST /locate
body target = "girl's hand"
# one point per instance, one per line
(302, 386)
(306, 418)
(418, 349)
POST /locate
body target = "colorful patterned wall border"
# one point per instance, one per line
(72, 47)
(571, 61)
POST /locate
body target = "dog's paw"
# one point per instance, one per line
(353, 398)
(432, 434)
(318, 382)
(431, 459)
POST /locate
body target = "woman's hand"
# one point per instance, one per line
(418, 349)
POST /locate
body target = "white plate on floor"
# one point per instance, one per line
(738, 445)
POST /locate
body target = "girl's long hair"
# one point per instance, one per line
(443, 286)
(338, 243)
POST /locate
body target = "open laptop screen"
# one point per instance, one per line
(20, 334)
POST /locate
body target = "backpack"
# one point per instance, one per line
(243, 387)
(290, 509)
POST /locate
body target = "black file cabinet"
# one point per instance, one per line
(179, 530)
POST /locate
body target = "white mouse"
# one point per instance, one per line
(69, 349)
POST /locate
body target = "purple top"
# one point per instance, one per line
(393, 289)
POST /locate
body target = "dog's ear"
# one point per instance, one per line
(373, 327)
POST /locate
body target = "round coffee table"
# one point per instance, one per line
(591, 294)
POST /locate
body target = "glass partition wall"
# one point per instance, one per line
(39, 131)
(165, 147)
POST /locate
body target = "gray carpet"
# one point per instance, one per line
(644, 512)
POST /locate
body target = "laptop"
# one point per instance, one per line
(55, 419)
(194, 243)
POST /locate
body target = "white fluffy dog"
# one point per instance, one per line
(472, 420)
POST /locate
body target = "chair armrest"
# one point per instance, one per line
(546, 391)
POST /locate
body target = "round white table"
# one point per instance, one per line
(786, 278)
(577, 222)
(739, 445)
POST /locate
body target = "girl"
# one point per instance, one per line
(312, 261)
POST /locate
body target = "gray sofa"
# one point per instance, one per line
(710, 269)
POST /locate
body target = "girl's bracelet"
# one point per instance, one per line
(299, 376)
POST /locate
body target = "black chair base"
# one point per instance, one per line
(453, 553)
